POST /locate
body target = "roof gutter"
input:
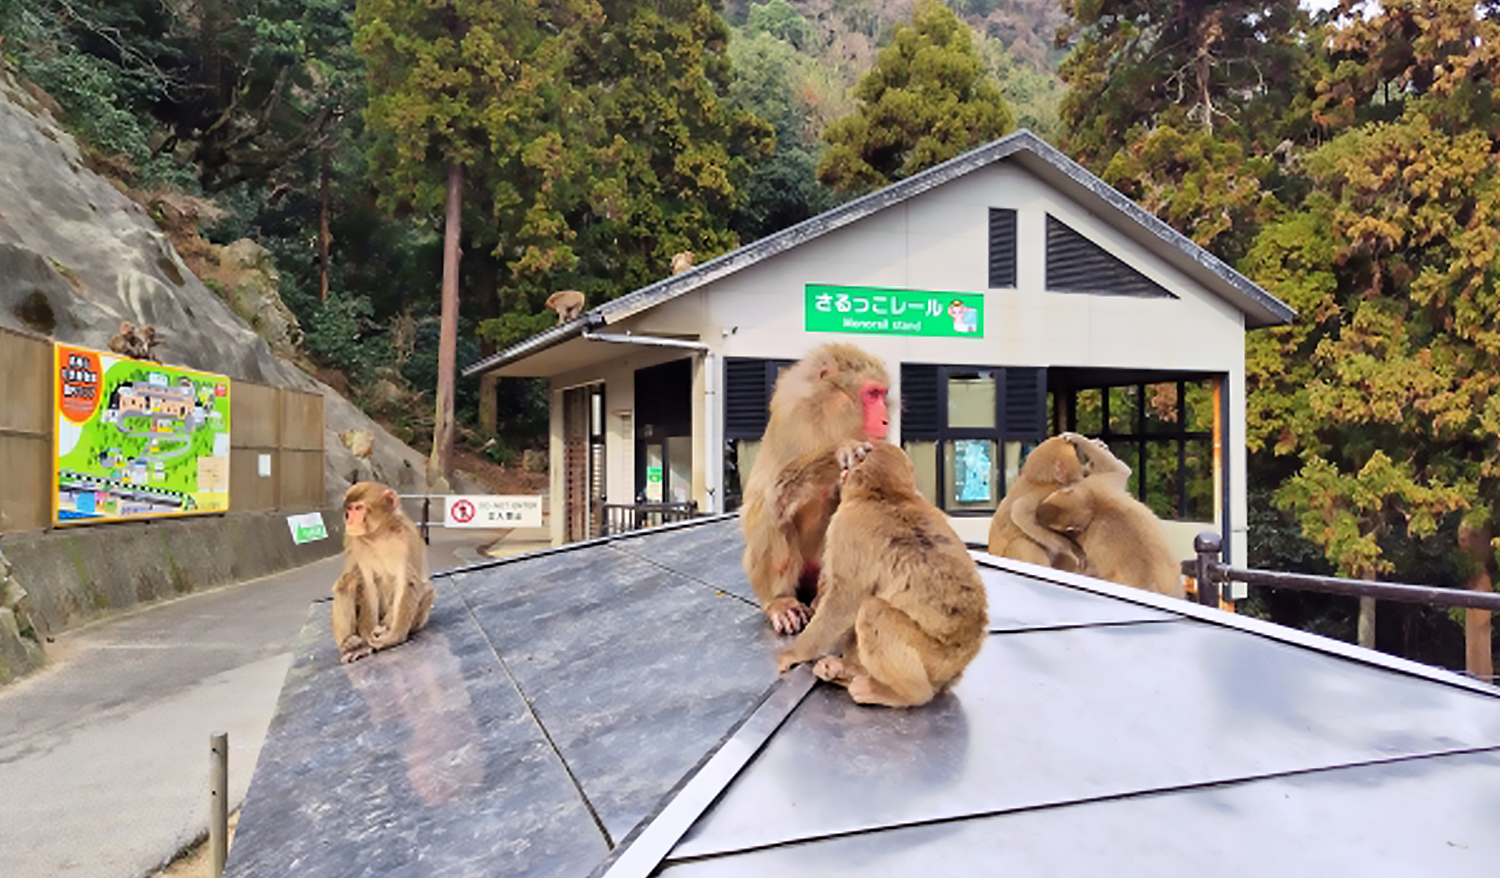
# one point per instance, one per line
(537, 343)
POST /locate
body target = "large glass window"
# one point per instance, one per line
(1164, 430)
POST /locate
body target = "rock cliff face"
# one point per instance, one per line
(77, 257)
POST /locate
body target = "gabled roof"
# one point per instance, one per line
(1260, 307)
(612, 708)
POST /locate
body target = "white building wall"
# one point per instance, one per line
(940, 241)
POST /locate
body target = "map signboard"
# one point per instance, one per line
(137, 439)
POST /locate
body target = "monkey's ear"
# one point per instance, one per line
(390, 498)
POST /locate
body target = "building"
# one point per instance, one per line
(1012, 295)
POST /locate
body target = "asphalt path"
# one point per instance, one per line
(104, 755)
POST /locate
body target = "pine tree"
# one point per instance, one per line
(927, 100)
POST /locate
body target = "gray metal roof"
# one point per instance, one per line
(612, 708)
(1260, 307)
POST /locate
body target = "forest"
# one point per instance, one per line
(1343, 155)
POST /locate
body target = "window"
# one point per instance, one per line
(967, 428)
(1164, 430)
(748, 384)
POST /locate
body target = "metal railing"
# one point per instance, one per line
(1210, 572)
(618, 518)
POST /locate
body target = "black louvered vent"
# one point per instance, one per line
(747, 398)
(1002, 248)
(1025, 404)
(1077, 265)
(921, 415)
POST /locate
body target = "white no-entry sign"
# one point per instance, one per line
(492, 510)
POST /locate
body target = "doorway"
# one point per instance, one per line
(664, 433)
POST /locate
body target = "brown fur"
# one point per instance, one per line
(384, 594)
(792, 489)
(567, 303)
(1120, 535)
(1061, 460)
(682, 262)
(900, 596)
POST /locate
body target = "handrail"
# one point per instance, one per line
(1210, 572)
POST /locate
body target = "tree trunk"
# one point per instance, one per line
(324, 236)
(1479, 656)
(1367, 622)
(440, 465)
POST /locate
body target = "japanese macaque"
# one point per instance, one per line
(900, 598)
(127, 341)
(383, 594)
(1062, 460)
(567, 303)
(835, 394)
(682, 262)
(148, 343)
(1120, 536)
(137, 342)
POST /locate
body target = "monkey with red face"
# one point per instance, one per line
(384, 594)
(835, 394)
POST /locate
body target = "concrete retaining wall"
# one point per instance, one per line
(77, 575)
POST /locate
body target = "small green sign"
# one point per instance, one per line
(653, 475)
(881, 311)
(307, 527)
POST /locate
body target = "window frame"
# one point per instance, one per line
(1140, 437)
(1001, 433)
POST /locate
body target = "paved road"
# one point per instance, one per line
(104, 759)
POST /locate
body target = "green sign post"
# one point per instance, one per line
(881, 311)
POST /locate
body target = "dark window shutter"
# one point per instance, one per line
(1077, 265)
(921, 401)
(1024, 408)
(1002, 248)
(747, 398)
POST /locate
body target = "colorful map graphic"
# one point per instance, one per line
(137, 439)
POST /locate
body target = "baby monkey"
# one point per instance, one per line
(900, 599)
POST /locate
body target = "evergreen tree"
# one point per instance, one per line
(927, 100)
(1388, 387)
(1182, 105)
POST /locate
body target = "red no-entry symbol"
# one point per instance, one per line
(463, 512)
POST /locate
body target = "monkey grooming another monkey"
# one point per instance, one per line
(1121, 537)
(1062, 460)
(384, 594)
(900, 597)
(835, 394)
(567, 303)
(125, 341)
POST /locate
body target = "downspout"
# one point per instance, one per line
(713, 445)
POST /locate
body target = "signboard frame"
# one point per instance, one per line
(118, 474)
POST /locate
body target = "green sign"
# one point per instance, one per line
(653, 475)
(881, 311)
(307, 527)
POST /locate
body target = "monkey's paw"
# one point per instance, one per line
(788, 659)
(1069, 562)
(353, 649)
(851, 453)
(832, 669)
(788, 615)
